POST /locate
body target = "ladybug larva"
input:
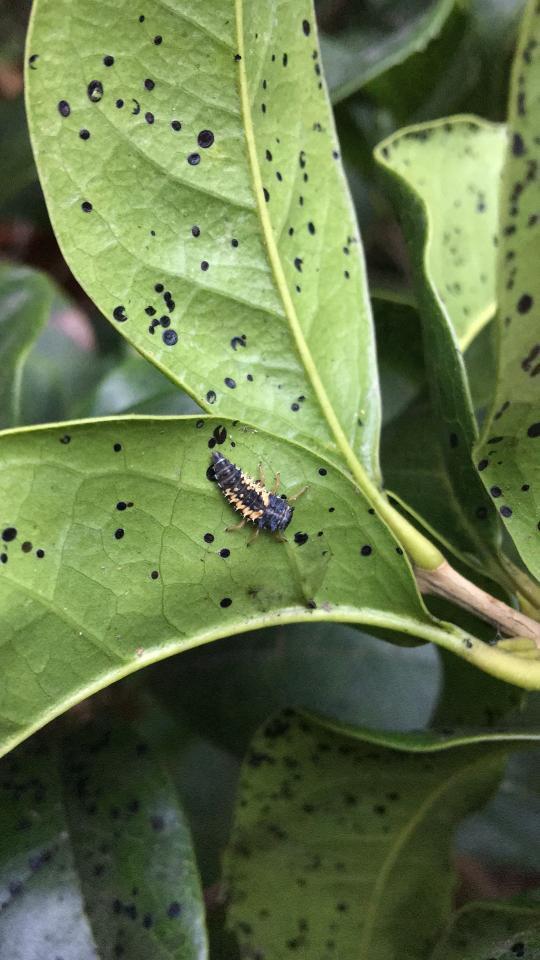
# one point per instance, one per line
(251, 498)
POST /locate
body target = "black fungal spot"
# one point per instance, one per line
(208, 538)
(234, 242)
(224, 553)
(65, 439)
(323, 471)
(40, 554)
(169, 337)
(121, 505)
(495, 492)
(64, 108)
(149, 117)
(306, 27)
(505, 511)
(165, 321)
(86, 206)
(95, 91)
(483, 464)
(225, 602)
(266, 195)
(298, 264)
(26, 546)
(237, 342)
(295, 407)
(149, 84)
(211, 396)
(119, 533)
(249, 376)
(119, 103)
(32, 61)
(205, 139)
(204, 265)
(518, 146)
(193, 159)
(3, 558)
(525, 303)
(9, 534)
(534, 430)
(230, 383)
(366, 550)
(117, 447)
(301, 538)
(154, 575)
(174, 909)
(176, 125)
(108, 60)
(84, 134)
(158, 40)
(150, 311)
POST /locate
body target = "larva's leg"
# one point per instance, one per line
(236, 526)
(299, 494)
(261, 475)
(253, 536)
(280, 538)
(277, 481)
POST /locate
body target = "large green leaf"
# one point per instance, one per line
(115, 555)
(444, 177)
(25, 302)
(341, 843)
(384, 38)
(191, 170)
(508, 456)
(93, 863)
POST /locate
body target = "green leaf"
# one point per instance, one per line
(25, 303)
(92, 587)
(252, 292)
(444, 178)
(92, 863)
(507, 455)
(503, 930)
(344, 842)
(382, 40)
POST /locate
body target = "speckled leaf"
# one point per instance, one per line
(190, 166)
(25, 302)
(492, 929)
(444, 177)
(115, 555)
(356, 56)
(341, 846)
(508, 456)
(93, 864)
(40, 899)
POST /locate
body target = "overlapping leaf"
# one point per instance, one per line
(94, 864)
(341, 843)
(115, 554)
(25, 301)
(503, 930)
(445, 178)
(508, 456)
(191, 170)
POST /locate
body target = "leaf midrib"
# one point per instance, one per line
(277, 267)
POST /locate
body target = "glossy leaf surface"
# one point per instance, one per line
(115, 554)
(95, 855)
(192, 175)
(508, 457)
(25, 302)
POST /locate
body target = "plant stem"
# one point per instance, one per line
(447, 582)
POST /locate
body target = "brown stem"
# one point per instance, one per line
(446, 582)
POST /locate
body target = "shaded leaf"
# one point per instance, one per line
(508, 456)
(94, 864)
(340, 847)
(134, 386)
(210, 192)
(25, 302)
(116, 555)
(503, 930)
(444, 177)
(358, 55)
